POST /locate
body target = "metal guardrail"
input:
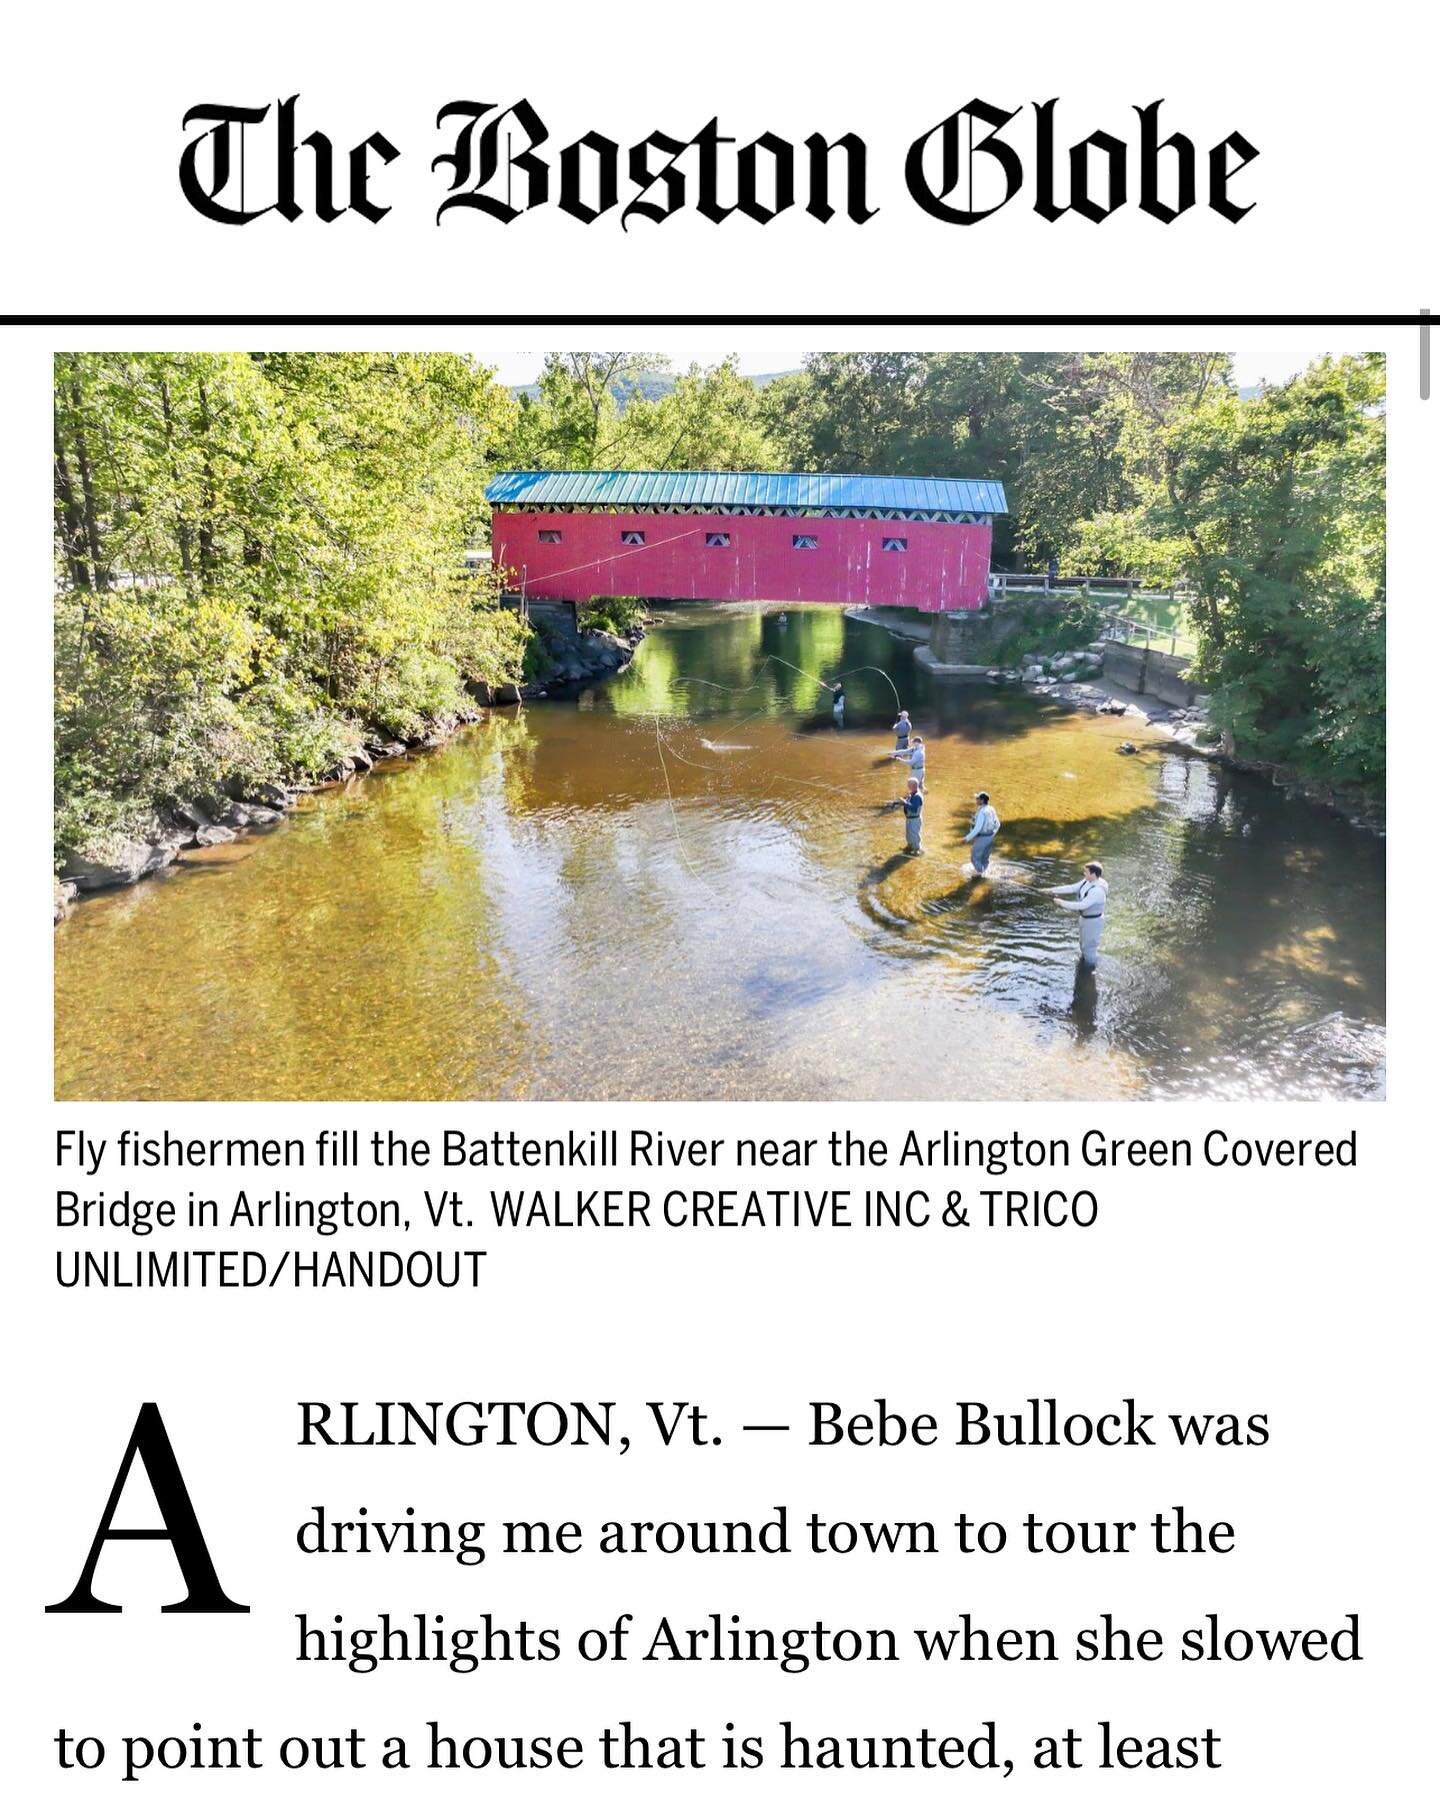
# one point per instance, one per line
(1117, 626)
(1117, 629)
(1004, 581)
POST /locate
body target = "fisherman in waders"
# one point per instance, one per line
(915, 756)
(837, 704)
(911, 805)
(981, 835)
(1089, 902)
(902, 732)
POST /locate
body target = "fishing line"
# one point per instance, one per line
(819, 680)
(674, 820)
(715, 768)
(859, 669)
(704, 768)
(638, 550)
(870, 668)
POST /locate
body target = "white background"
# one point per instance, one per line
(1338, 102)
(1309, 1298)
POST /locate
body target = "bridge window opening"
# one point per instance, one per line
(632, 537)
(803, 541)
(717, 540)
(894, 543)
(549, 537)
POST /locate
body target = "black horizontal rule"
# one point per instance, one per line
(1018, 320)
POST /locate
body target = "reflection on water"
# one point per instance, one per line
(684, 884)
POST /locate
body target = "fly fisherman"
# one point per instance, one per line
(911, 804)
(915, 756)
(1090, 895)
(981, 835)
(837, 703)
(902, 732)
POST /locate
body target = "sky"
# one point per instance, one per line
(517, 367)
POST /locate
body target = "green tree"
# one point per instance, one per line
(1064, 433)
(710, 419)
(582, 416)
(619, 410)
(259, 557)
(1279, 502)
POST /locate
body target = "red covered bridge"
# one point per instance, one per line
(862, 540)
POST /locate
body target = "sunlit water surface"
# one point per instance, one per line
(682, 884)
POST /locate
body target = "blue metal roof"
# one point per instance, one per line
(721, 490)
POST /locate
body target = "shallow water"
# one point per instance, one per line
(682, 884)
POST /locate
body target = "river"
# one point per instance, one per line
(681, 884)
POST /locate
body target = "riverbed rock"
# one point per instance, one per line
(207, 835)
(243, 815)
(189, 813)
(65, 892)
(1127, 749)
(121, 862)
(267, 793)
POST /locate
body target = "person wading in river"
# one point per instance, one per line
(837, 703)
(915, 756)
(902, 732)
(1089, 902)
(981, 835)
(911, 805)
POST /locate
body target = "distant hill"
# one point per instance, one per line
(649, 387)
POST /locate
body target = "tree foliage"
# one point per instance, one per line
(1279, 504)
(612, 409)
(259, 557)
(1151, 464)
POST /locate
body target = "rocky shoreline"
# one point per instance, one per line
(1076, 678)
(239, 807)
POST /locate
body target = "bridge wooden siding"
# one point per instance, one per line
(827, 539)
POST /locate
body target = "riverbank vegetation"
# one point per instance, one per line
(260, 562)
(616, 613)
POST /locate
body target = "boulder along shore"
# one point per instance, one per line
(237, 807)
